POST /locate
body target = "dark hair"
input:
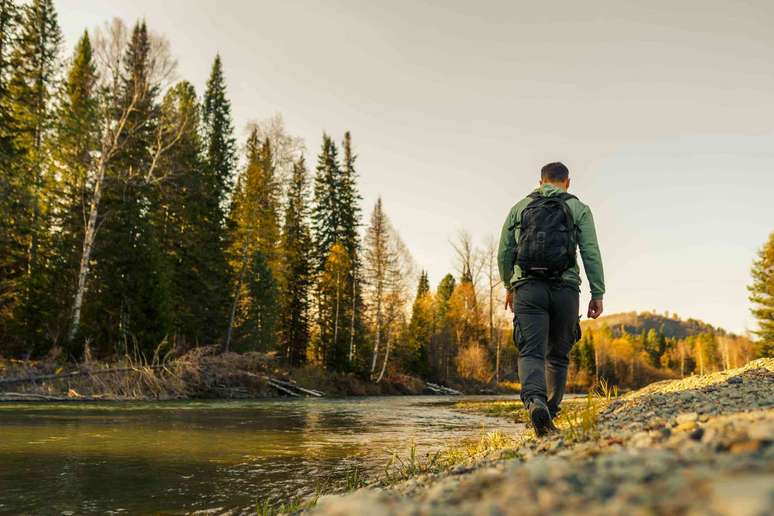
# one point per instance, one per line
(555, 172)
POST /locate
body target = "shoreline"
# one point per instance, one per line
(701, 444)
(202, 374)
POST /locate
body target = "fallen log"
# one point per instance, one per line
(281, 388)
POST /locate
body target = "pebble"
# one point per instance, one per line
(698, 445)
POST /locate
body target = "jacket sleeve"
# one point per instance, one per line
(506, 253)
(592, 257)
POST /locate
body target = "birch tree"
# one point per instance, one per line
(385, 268)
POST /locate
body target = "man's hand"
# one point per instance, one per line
(509, 300)
(595, 308)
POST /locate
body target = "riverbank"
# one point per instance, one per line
(201, 373)
(699, 445)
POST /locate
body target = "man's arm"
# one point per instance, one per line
(506, 253)
(592, 258)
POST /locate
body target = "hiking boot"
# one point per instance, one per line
(540, 417)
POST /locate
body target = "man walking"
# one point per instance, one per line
(538, 266)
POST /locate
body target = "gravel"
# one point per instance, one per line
(699, 445)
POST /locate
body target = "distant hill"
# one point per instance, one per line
(636, 323)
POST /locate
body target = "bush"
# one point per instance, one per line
(473, 363)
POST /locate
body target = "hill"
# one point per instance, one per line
(636, 323)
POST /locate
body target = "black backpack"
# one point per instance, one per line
(547, 238)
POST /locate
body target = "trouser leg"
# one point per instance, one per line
(530, 330)
(561, 337)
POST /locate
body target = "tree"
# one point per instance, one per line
(421, 329)
(254, 235)
(332, 288)
(762, 297)
(12, 191)
(132, 278)
(74, 144)
(131, 73)
(31, 88)
(188, 221)
(297, 269)
(335, 219)
(219, 142)
(384, 272)
(443, 335)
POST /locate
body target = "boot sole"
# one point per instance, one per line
(541, 420)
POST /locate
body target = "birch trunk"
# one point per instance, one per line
(378, 333)
(88, 244)
(386, 358)
(352, 322)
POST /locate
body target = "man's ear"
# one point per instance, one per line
(567, 185)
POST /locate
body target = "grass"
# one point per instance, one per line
(506, 409)
(399, 467)
(353, 480)
(580, 421)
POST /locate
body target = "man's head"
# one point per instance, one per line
(555, 174)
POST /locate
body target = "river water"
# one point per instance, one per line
(180, 457)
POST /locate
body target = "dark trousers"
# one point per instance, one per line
(545, 327)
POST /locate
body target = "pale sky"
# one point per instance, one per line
(662, 110)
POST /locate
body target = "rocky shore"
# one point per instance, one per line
(699, 445)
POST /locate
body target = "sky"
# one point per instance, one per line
(663, 111)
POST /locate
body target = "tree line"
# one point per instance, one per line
(134, 221)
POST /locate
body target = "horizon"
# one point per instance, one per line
(662, 115)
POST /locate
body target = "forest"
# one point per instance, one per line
(134, 222)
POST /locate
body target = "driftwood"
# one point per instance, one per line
(73, 374)
(290, 388)
(434, 388)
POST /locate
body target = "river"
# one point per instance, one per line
(181, 457)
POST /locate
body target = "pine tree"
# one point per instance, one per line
(421, 329)
(35, 67)
(255, 234)
(72, 148)
(762, 297)
(219, 141)
(12, 250)
(326, 216)
(297, 269)
(9, 21)
(35, 63)
(132, 308)
(188, 223)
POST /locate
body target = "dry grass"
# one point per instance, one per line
(402, 467)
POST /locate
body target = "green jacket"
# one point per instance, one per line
(510, 273)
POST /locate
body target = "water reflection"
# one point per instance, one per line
(184, 456)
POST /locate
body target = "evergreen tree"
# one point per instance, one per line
(9, 21)
(297, 269)
(188, 222)
(12, 251)
(132, 308)
(72, 148)
(255, 234)
(421, 329)
(31, 90)
(326, 216)
(333, 287)
(219, 141)
(762, 297)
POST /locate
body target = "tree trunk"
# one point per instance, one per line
(238, 289)
(386, 358)
(88, 245)
(334, 347)
(378, 332)
(352, 322)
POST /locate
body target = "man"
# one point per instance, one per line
(538, 266)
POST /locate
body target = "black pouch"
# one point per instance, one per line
(517, 335)
(578, 331)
